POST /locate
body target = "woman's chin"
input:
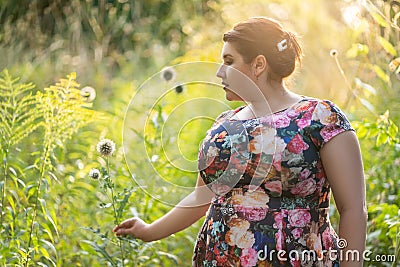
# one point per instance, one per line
(232, 97)
(229, 95)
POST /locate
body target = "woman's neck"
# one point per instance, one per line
(276, 97)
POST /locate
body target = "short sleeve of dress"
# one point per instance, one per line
(327, 121)
(223, 115)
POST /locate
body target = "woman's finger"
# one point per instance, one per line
(125, 224)
(123, 232)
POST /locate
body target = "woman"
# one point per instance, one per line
(266, 169)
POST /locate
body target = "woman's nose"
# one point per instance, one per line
(221, 71)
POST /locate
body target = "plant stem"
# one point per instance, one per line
(116, 221)
(348, 84)
(3, 193)
(397, 247)
(35, 207)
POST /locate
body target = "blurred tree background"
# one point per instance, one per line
(352, 57)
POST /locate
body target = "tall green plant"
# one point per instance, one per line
(56, 114)
(376, 53)
(64, 112)
(18, 119)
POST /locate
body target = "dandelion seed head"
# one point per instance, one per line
(94, 174)
(168, 74)
(88, 93)
(105, 147)
(333, 53)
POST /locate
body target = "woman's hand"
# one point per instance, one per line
(134, 227)
(185, 213)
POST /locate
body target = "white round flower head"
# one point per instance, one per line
(333, 53)
(168, 74)
(88, 93)
(106, 147)
(94, 174)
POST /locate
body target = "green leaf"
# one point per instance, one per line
(44, 253)
(367, 104)
(50, 219)
(50, 246)
(365, 86)
(382, 138)
(43, 205)
(356, 50)
(381, 73)
(387, 46)
(169, 255)
(123, 203)
(373, 130)
(101, 250)
(393, 129)
(379, 19)
(12, 204)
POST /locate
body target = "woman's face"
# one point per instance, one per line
(237, 76)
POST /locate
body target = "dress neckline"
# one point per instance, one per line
(273, 113)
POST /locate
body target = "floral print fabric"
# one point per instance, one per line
(271, 192)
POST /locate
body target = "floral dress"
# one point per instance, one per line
(271, 202)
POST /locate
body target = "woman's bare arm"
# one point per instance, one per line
(187, 212)
(342, 161)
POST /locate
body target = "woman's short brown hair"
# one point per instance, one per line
(265, 36)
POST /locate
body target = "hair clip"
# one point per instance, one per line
(282, 45)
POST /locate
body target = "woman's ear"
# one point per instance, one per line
(259, 65)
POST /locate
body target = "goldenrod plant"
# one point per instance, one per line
(56, 113)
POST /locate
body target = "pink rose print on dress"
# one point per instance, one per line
(281, 185)
(304, 174)
(297, 144)
(327, 239)
(280, 239)
(279, 220)
(296, 232)
(281, 120)
(292, 113)
(249, 257)
(299, 217)
(304, 188)
(305, 120)
(329, 131)
(252, 214)
(295, 262)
